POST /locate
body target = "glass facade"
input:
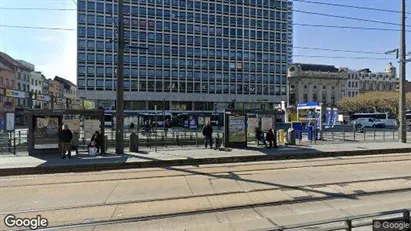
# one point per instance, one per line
(209, 47)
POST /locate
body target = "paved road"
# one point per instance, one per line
(238, 196)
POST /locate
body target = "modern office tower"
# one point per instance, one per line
(290, 32)
(202, 55)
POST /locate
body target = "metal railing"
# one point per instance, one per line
(348, 223)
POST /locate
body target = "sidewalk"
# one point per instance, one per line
(16, 165)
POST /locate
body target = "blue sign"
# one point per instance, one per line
(328, 119)
(317, 120)
(308, 104)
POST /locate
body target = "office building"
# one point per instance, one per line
(202, 55)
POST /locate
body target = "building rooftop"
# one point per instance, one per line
(317, 67)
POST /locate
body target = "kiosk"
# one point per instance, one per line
(310, 114)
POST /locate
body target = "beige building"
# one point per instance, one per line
(364, 80)
(313, 82)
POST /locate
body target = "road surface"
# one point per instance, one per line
(241, 196)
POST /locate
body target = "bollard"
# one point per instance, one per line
(332, 135)
(177, 139)
(155, 141)
(14, 146)
(343, 133)
(105, 143)
(196, 139)
(383, 134)
(19, 137)
(375, 135)
(364, 133)
(133, 142)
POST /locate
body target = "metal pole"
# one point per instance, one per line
(402, 106)
(120, 83)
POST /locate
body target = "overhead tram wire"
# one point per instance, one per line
(39, 9)
(346, 17)
(38, 27)
(345, 27)
(337, 50)
(349, 6)
(341, 57)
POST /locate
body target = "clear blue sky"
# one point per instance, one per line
(54, 52)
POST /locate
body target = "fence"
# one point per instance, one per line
(178, 137)
(351, 223)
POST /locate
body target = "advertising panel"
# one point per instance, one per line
(237, 128)
(10, 121)
(252, 123)
(46, 132)
(90, 127)
(266, 123)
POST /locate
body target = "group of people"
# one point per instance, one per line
(69, 141)
(269, 137)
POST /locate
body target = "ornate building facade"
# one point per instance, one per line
(313, 82)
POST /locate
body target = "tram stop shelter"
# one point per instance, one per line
(239, 125)
(45, 124)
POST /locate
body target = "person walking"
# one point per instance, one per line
(208, 135)
(65, 137)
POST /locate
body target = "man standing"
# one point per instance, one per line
(65, 137)
(208, 134)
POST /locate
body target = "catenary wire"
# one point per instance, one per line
(349, 6)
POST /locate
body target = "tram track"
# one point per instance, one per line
(307, 187)
(134, 219)
(197, 171)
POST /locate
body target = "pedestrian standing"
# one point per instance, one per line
(65, 137)
(208, 135)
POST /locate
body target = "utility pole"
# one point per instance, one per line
(120, 83)
(402, 106)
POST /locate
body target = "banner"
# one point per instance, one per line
(328, 119)
(335, 117)
(15, 94)
(192, 122)
(43, 98)
(309, 117)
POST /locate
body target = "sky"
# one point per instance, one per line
(54, 52)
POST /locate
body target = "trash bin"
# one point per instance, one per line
(291, 136)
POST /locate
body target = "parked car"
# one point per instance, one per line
(368, 123)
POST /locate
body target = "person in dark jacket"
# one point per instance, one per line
(271, 138)
(95, 141)
(65, 137)
(208, 134)
(259, 135)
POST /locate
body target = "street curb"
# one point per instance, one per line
(200, 161)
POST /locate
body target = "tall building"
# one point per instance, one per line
(290, 32)
(202, 55)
